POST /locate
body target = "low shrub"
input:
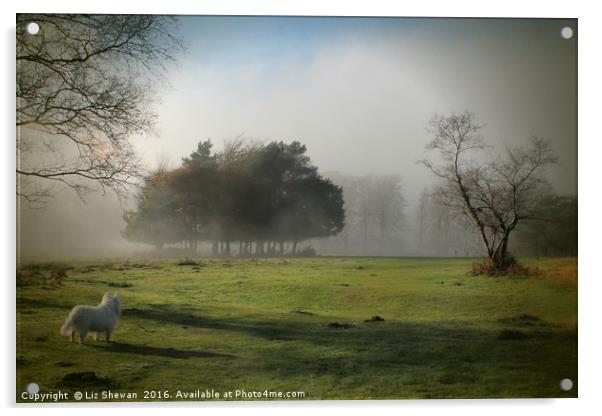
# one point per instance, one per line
(511, 267)
(43, 274)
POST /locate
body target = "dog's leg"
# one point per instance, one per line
(108, 334)
(72, 336)
(82, 337)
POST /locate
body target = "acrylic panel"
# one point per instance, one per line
(244, 208)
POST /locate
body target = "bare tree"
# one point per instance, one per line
(495, 196)
(84, 87)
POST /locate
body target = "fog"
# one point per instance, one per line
(358, 92)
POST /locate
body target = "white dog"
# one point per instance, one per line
(85, 319)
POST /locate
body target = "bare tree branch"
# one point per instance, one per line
(84, 88)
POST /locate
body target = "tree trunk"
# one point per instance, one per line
(499, 257)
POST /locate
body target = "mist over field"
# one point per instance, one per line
(358, 93)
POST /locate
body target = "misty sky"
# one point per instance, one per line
(360, 91)
(357, 91)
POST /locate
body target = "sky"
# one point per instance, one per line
(358, 92)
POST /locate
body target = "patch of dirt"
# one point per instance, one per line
(338, 325)
(524, 320)
(302, 312)
(132, 310)
(375, 318)
(120, 284)
(85, 379)
(104, 282)
(64, 364)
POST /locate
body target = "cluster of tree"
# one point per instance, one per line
(374, 207)
(260, 196)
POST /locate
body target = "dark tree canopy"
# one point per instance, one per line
(84, 87)
(158, 219)
(251, 194)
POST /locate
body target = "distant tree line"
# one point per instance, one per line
(440, 233)
(374, 206)
(264, 198)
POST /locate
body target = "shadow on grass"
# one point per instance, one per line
(272, 329)
(431, 359)
(448, 355)
(25, 303)
(126, 348)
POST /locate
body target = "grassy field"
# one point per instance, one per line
(300, 325)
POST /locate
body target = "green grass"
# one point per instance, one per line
(263, 325)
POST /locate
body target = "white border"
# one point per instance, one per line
(590, 151)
